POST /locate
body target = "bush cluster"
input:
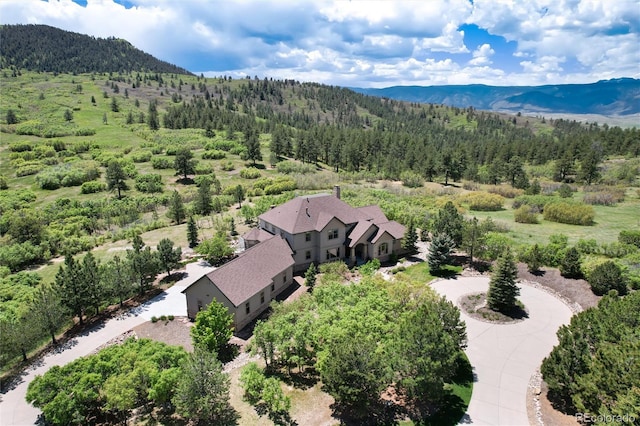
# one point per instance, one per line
(526, 214)
(66, 175)
(537, 202)
(27, 168)
(141, 157)
(603, 195)
(222, 145)
(214, 154)
(250, 173)
(506, 191)
(92, 187)
(275, 186)
(289, 167)
(570, 213)
(630, 237)
(203, 169)
(160, 163)
(484, 201)
(149, 183)
(411, 179)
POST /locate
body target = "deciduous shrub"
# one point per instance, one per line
(507, 191)
(149, 183)
(570, 213)
(141, 157)
(250, 173)
(484, 201)
(214, 154)
(92, 187)
(20, 146)
(288, 167)
(535, 201)
(228, 166)
(525, 214)
(411, 179)
(630, 237)
(565, 191)
(160, 163)
(204, 169)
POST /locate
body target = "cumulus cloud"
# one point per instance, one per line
(367, 43)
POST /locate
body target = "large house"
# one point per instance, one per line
(308, 229)
(247, 284)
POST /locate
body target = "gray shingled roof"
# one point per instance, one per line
(312, 213)
(392, 227)
(253, 270)
(257, 234)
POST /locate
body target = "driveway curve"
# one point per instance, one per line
(14, 409)
(505, 356)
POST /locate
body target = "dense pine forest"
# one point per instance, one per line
(114, 164)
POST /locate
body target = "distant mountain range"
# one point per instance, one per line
(607, 97)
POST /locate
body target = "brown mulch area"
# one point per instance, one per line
(577, 291)
(174, 332)
(572, 291)
(475, 305)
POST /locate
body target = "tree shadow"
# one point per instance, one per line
(174, 277)
(185, 181)
(378, 413)
(300, 380)
(228, 352)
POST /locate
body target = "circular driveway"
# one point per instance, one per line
(505, 356)
(14, 409)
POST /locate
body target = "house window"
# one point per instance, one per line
(199, 305)
(333, 254)
(273, 287)
(284, 279)
(247, 308)
(333, 234)
(307, 236)
(383, 249)
(307, 255)
(262, 297)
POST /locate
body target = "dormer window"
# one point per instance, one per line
(333, 234)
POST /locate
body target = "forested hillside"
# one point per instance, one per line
(49, 49)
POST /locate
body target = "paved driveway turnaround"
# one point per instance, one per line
(14, 409)
(505, 356)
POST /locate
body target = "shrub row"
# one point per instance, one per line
(159, 163)
(506, 191)
(570, 213)
(149, 183)
(250, 173)
(484, 201)
(526, 214)
(66, 175)
(603, 198)
(288, 167)
(537, 202)
(214, 154)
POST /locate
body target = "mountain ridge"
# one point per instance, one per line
(619, 96)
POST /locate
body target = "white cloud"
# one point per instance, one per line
(366, 43)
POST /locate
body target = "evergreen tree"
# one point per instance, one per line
(152, 119)
(202, 394)
(11, 117)
(533, 257)
(90, 274)
(570, 266)
(310, 276)
(116, 177)
(176, 208)
(239, 193)
(117, 278)
(184, 163)
(503, 290)
(439, 252)
(168, 256)
(448, 221)
(143, 263)
(410, 240)
(192, 233)
(47, 310)
(608, 276)
(203, 204)
(252, 143)
(72, 287)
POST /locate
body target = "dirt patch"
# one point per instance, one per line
(551, 416)
(578, 291)
(174, 332)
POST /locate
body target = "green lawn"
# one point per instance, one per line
(609, 221)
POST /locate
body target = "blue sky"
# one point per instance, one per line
(367, 43)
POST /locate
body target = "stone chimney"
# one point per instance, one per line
(336, 191)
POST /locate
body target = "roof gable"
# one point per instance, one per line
(253, 270)
(311, 213)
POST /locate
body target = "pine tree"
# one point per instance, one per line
(570, 264)
(192, 233)
(439, 252)
(533, 258)
(203, 204)
(310, 276)
(176, 208)
(503, 290)
(410, 241)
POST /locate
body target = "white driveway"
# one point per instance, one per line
(14, 410)
(505, 356)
